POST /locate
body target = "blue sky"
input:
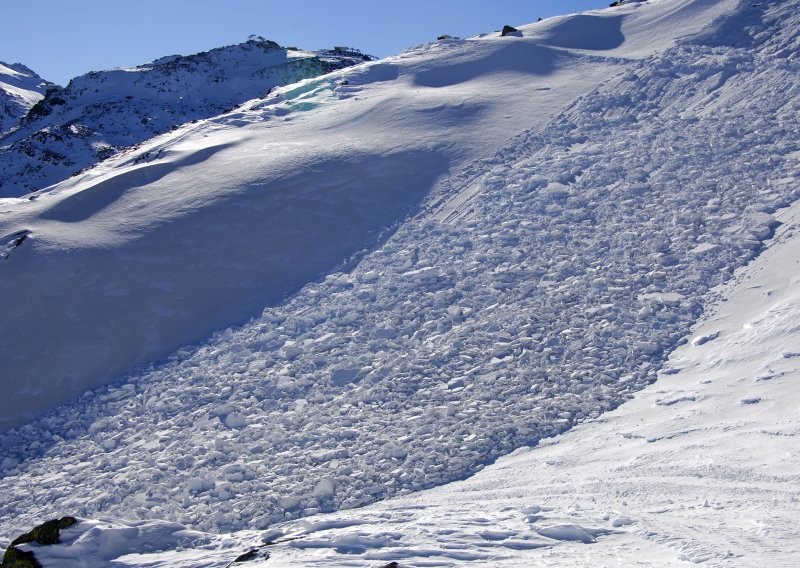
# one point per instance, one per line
(61, 39)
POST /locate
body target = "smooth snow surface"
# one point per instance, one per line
(462, 250)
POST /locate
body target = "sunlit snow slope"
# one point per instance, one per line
(463, 249)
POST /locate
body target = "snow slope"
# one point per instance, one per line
(100, 113)
(110, 294)
(20, 89)
(699, 468)
(530, 290)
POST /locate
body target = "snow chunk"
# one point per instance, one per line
(703, 248)
(341, 377)
(198, 484)
(557, 191)
(703, 339)
(235, 420)
(666, 298)
(325, 489)
(567, 533)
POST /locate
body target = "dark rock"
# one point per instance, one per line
(20, 238)
(508, 30)
(251, 555)
(46, 533)
(38, 110)
(16, 558)
(392, 565)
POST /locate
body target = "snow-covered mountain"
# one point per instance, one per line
(462, 250)
(20, 89)
(100, 113)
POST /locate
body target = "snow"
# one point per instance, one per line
(358, 145)
(20, 89)
(100, 113)
(708, 481)
(443, 286)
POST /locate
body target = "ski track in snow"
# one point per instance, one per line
(543, 286)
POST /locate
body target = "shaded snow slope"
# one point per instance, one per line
(201, 228)
(100, 113)
(699, 468)
(20, 89)
(535, 288)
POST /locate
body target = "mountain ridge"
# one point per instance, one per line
(102, 112)
(20, 89)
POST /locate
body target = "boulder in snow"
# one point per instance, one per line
(510, 30)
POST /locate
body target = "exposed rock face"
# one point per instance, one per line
(97, 114)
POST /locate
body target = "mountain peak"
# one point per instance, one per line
(20, 89)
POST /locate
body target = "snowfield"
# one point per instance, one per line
(143, 248)
(699, 468)
(462, 250)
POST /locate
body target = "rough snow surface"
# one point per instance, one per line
(710, 480)
(531, 290)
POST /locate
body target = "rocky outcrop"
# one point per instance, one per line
(45, 534)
